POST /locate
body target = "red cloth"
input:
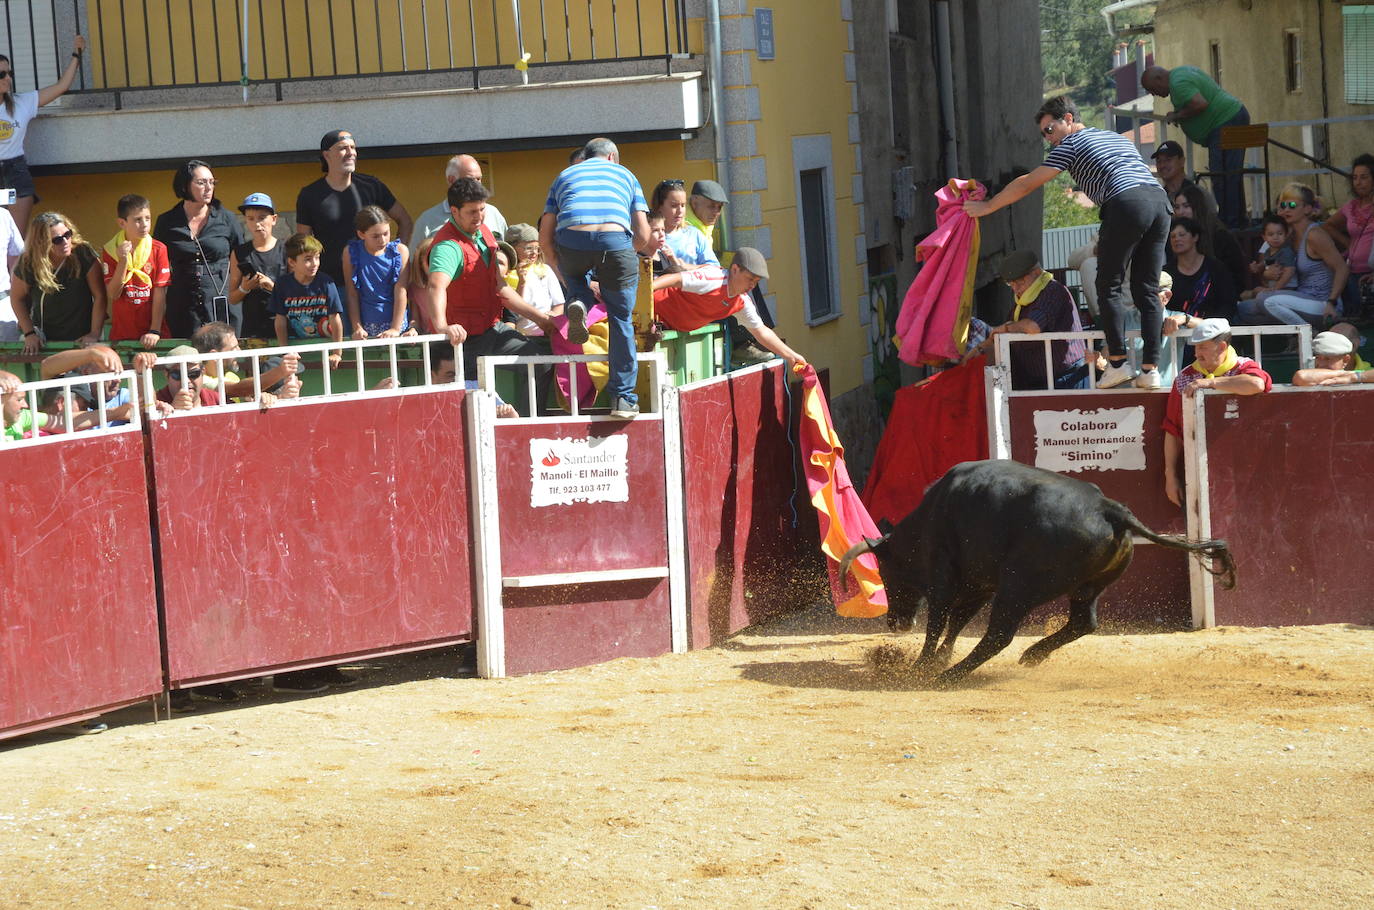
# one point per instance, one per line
(843, 519)
(933, 426)
(933, 322)
(559, 344)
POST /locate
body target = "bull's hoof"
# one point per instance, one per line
(1033, 658)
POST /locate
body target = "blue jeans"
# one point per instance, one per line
(610, 258)
(1228, 183)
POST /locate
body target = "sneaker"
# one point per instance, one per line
(335, 678)
(748, 354)
(297, 682)
(216, 692)
(1115, 375)
(625, 410)
(1148, 379)
(577, 322)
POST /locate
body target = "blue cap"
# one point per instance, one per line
(258, 201)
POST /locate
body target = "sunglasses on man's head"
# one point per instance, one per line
(1289, 204)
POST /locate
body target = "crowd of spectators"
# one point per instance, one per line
(198, 271)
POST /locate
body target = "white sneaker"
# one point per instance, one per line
(577, 322)
(1114, 375)
(1148, 379)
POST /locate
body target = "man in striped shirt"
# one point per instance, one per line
(594, 221)
(1135, 217)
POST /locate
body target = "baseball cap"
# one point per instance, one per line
(1331, 344)
(709, 189)
(751, 260)
(258, 201)
(332, 138)
(1017, 264)
(1208, 329)
(1169, 148)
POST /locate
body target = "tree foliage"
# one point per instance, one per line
(1062, 208)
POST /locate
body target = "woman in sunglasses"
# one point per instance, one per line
(58, 289)
(18, 110)
(1322, 270)
(684, 247)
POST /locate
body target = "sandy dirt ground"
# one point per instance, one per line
(1226, 768)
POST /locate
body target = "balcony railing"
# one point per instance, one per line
(162, 44)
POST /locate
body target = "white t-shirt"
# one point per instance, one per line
(543, 292)
(433, 218)
(12, 244)
(14, 127)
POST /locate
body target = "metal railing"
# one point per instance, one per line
(158, 44)
(487, 366)
(97, 389)
(1246, 339)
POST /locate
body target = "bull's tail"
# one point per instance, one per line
(854, 552)
(1209, 552)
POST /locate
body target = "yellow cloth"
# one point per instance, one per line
(1360, 365)
(1027, 297)
(138, 257)
(1228, 363)
(959, 335)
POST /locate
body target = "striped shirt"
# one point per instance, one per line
(1103, 164)
(595, 191)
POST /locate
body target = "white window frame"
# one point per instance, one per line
(810, 153)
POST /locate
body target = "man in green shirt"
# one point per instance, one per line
(1202, 108)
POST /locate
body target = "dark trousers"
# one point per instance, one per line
(1228, 181)
(1135, 227)
(610, 258)
(502, 340)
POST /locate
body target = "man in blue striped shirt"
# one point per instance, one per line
(594, 221)
(1135, 217)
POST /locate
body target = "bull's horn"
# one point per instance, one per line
(854, 552)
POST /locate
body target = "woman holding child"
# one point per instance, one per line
(58, 290)
(1322, 271)
(684, 246)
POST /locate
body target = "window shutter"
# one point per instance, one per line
(1359, 53)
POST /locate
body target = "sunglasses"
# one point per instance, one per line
(4, 74)
(64, 238)
(191, 375)
(673, 183)
(1047, 128)
(1289, 204)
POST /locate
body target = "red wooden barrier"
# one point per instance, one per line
(78, 619)
(746, 561)
(575, 498)
(1290, 483)
(1155, 588)
(312, 532)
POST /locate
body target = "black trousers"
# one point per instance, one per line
(1135, 227)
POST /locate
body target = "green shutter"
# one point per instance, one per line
(1359, 54)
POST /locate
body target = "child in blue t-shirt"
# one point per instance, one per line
(305, 304)
(374, 267)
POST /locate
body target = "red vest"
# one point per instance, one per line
(473, 301)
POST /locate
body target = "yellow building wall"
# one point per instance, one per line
(519, 181)
(1251, 44)
(328, 37)
(803, 92)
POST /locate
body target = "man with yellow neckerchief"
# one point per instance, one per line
(1042, 305)
(1217, 367)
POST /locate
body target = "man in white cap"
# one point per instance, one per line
(1335, 363)
(1217, 367)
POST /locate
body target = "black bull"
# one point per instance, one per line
(1015, 536)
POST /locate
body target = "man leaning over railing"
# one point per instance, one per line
(1217, 367)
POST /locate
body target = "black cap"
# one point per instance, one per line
(1017, 264)
(1169, 148)
(331, 138)
(709, 189)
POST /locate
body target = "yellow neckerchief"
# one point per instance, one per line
(1359, 366)
(1027, 297)
(1228, 363)
(537, 270)
(138, 256)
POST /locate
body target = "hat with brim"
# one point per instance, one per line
(1208, 329)
(1169, 148)
(258, 201)
(1017, 264)
(1331, 344)
(751, 260)
(522, 233)
(709, 189)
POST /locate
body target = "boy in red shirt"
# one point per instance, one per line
(689, 300)
(136, 276)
